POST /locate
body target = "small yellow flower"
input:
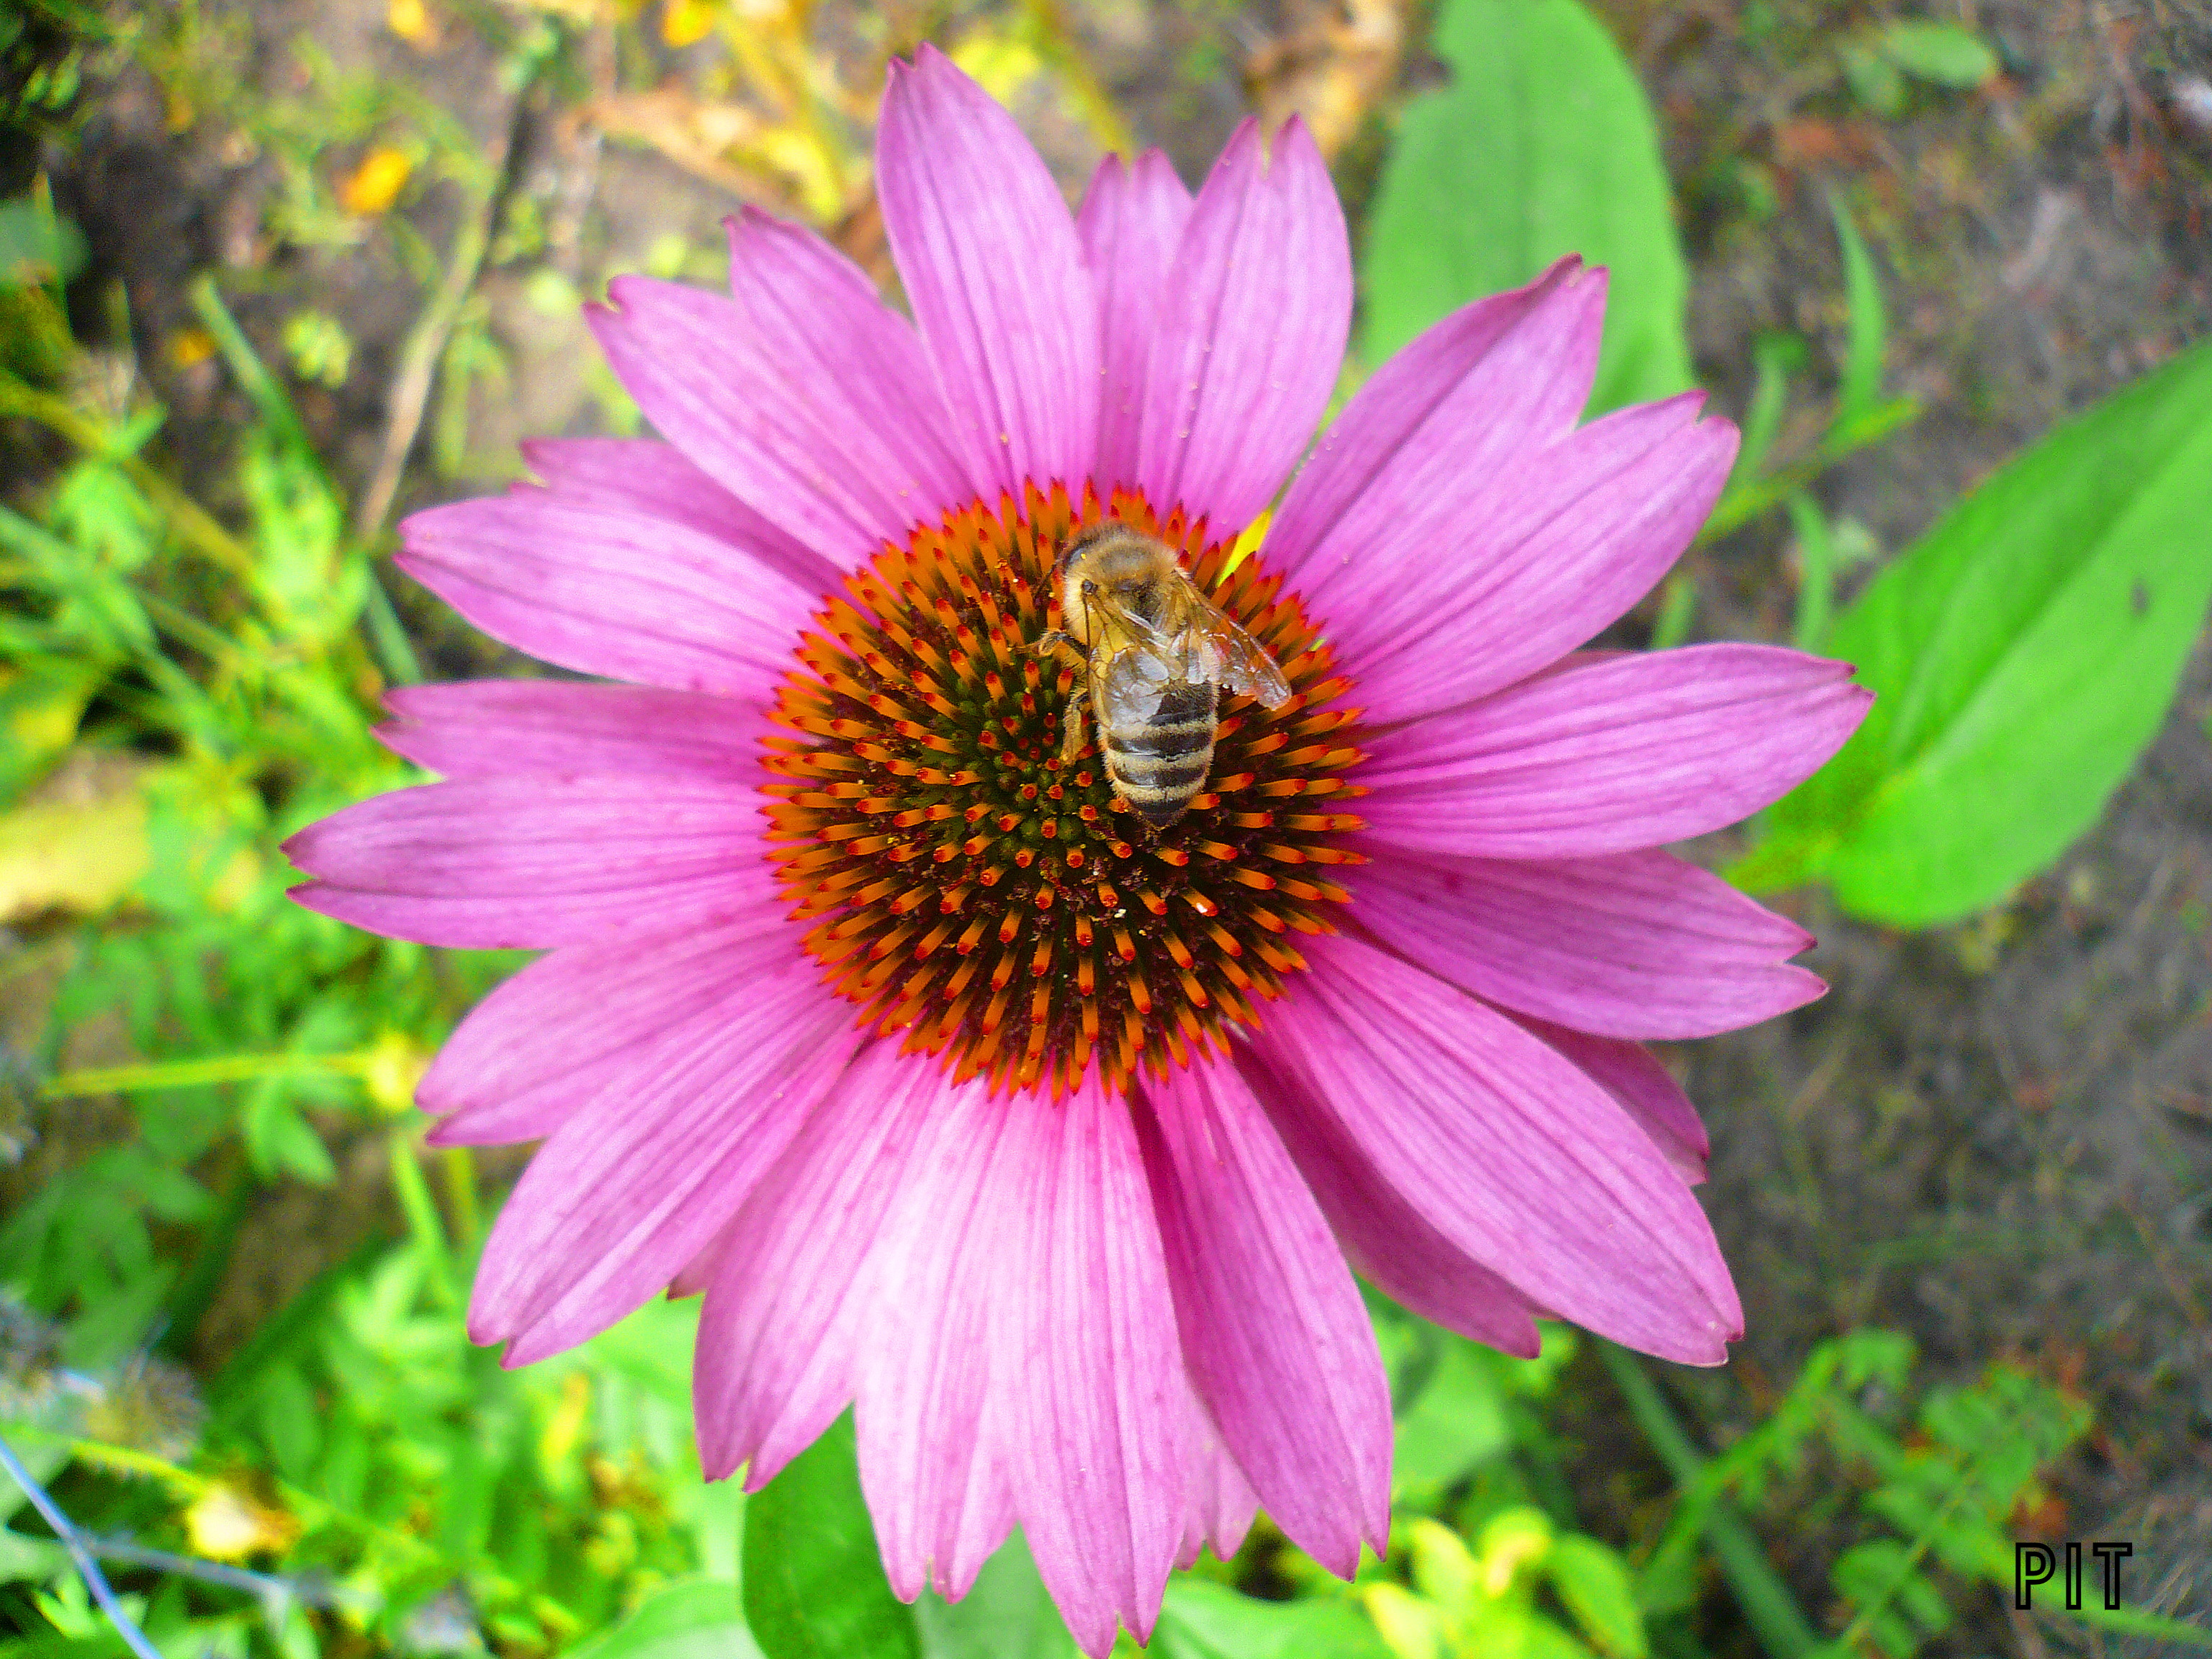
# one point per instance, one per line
(376, 183)
(686, 22)
(396, 1064)
(410, 21)
(226, 1525)
(190, 347)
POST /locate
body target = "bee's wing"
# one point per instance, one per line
(1237, 661)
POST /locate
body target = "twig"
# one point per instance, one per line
(80, 1552)
(426, 341)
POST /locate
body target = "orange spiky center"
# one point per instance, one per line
(1002, 907)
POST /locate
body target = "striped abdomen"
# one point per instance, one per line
(1159, 762)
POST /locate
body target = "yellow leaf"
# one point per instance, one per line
(79, 846)
(376, 183)
(225, 1524)
(686, 22)
(1410, 1627)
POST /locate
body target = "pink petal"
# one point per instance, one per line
(1628, 752)
(1220, 1503)
(995, 275)
(1131, 224)
(531, 1055)
(632, 1187)
(1022, 1363)
(1634, 945)
(604, 590)
(773, 1365)
(1497, 380)
(559, 728)
(500, 863)
(1463, 581)
(1093, 1372)
(766, 419)
(1277, 1340)
(1385, 1237)
(1251, 336)
(647, 476)
(1507, 1150)
(1646, 1090)
(929, 1432)
(823, 328)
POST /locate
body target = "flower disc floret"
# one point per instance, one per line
(1001, 906)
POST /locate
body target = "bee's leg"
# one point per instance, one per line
(1071, 722)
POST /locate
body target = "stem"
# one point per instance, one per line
(74, 1542)
(1768, 1607)
(197, 1073)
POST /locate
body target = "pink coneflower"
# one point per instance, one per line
(1070, 1212)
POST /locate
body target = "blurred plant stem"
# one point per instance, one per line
(199, 1074)
(1768, 1607)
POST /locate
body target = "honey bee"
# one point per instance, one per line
(1159, 655)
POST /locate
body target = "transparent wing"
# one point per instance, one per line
(1236, 661)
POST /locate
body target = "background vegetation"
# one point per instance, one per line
(271, 273)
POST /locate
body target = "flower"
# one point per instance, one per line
(1070, 1212)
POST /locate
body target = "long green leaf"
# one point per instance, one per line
(814, 1585)
(1542, 145)
(2024, 653)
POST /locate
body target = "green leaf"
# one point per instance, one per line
(1007, 1613)
(1873, 79)
(37, 246)
(1202, 1620)
(1593, 1583)
(2024, 653)
(698, 1619)
(814, 1579)
(1943, 54)
(1455, 1422)
(1861, 388)
(1543, 145)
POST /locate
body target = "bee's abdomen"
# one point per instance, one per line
(1159, 764)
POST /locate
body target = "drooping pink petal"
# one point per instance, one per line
(560, 728)
(1131, 224)
(1220, 1502)
(1093, 1372)
(1508, 1150)
(525, 863)
(1473, 580)
(1646, 1090)
(647, 476)
(767, 421)
(1385, 1237)
(1628, 752)
(1497, 380)
(1630, 945)
(930, 1439)
(607, 590)
(1251, 334)
(633, 1185)
(775, 1361)
(993, 269)
(1022, 1361)
(531, 1055)
(1278, 1342)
